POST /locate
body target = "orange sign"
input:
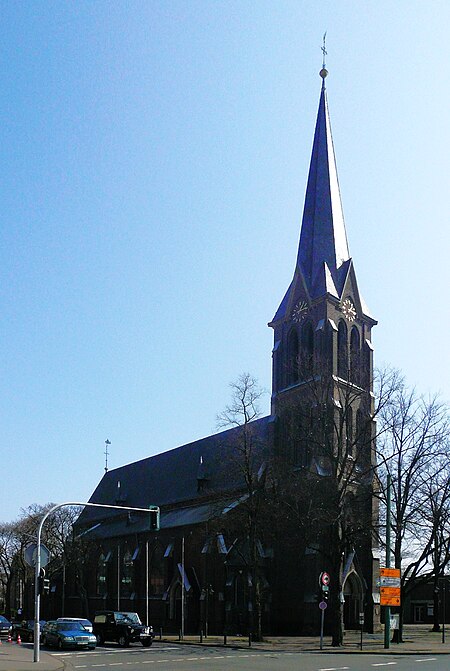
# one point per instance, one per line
(389, 600)
(390, 586)
(390, 572)
(389, 591)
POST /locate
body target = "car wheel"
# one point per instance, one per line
(100, 639)
(30, 637)
(123, 641)
(146, 642)
(44, 641)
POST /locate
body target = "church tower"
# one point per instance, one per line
(322, 321)
(322, 385)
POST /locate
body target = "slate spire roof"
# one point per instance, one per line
(323, 238)
(323, 260)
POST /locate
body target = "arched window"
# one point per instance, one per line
(349, 433)
(127, 573)
(292, 371)
(307, 350)
(355, 356)
(366, 366)
(101, 576)
(342, 350)
(156, 571)
(364, 436)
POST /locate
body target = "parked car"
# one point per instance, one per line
(25, 629)
(87, 624)
(67, 635)
(122, 627)
(5, 626)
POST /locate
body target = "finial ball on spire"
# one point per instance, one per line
(323, 73)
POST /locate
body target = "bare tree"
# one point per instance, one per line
(413, 451)
(16, 536)
(328, 438)
(245, 459)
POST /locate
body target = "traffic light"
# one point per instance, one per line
(154, 518)
(43, 583)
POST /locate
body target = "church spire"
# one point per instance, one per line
(323, 239)
(323, 259)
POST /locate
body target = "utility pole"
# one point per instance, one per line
(182, 588)
(146, 582)
(387, 609)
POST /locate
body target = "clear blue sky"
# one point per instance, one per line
(154, 157)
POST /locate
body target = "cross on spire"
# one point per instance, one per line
(323, 48)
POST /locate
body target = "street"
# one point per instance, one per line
(193, 658)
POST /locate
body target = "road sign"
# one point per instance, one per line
(390, 582)
(30, 554)
(323, 605)
(390, 572)
(390, 586)
(324, 578)
(389, 601)
(390, 591)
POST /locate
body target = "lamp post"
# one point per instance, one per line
(37, 596)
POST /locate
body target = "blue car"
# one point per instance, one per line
(67, 635)
(5, 626)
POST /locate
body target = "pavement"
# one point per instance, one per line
(418, 639)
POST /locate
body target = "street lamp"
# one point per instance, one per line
(37, 598)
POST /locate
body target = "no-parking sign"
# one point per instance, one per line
(324, 579)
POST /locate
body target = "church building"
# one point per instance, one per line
(194, 573)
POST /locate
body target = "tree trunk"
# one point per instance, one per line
(436, 604)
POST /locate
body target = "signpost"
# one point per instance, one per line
(390, 586)
(324, 582)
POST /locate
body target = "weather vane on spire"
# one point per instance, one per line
(323, 73)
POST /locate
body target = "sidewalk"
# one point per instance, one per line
(418, 640)
(14, 657)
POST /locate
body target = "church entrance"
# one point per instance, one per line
(353, 604)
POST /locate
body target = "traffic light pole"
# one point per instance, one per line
(37, 596)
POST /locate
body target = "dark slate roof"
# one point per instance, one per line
(135, 523)
(171, 479)
(323, 258)
(323, 237)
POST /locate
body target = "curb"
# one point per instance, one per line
(345, 649)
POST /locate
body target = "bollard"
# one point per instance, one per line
(224, 639)
(160, 633)
(250, 639)
(179, 635)
(201, 635)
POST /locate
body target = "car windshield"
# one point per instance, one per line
(70, 626)
(3, 620)
(129, 617)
